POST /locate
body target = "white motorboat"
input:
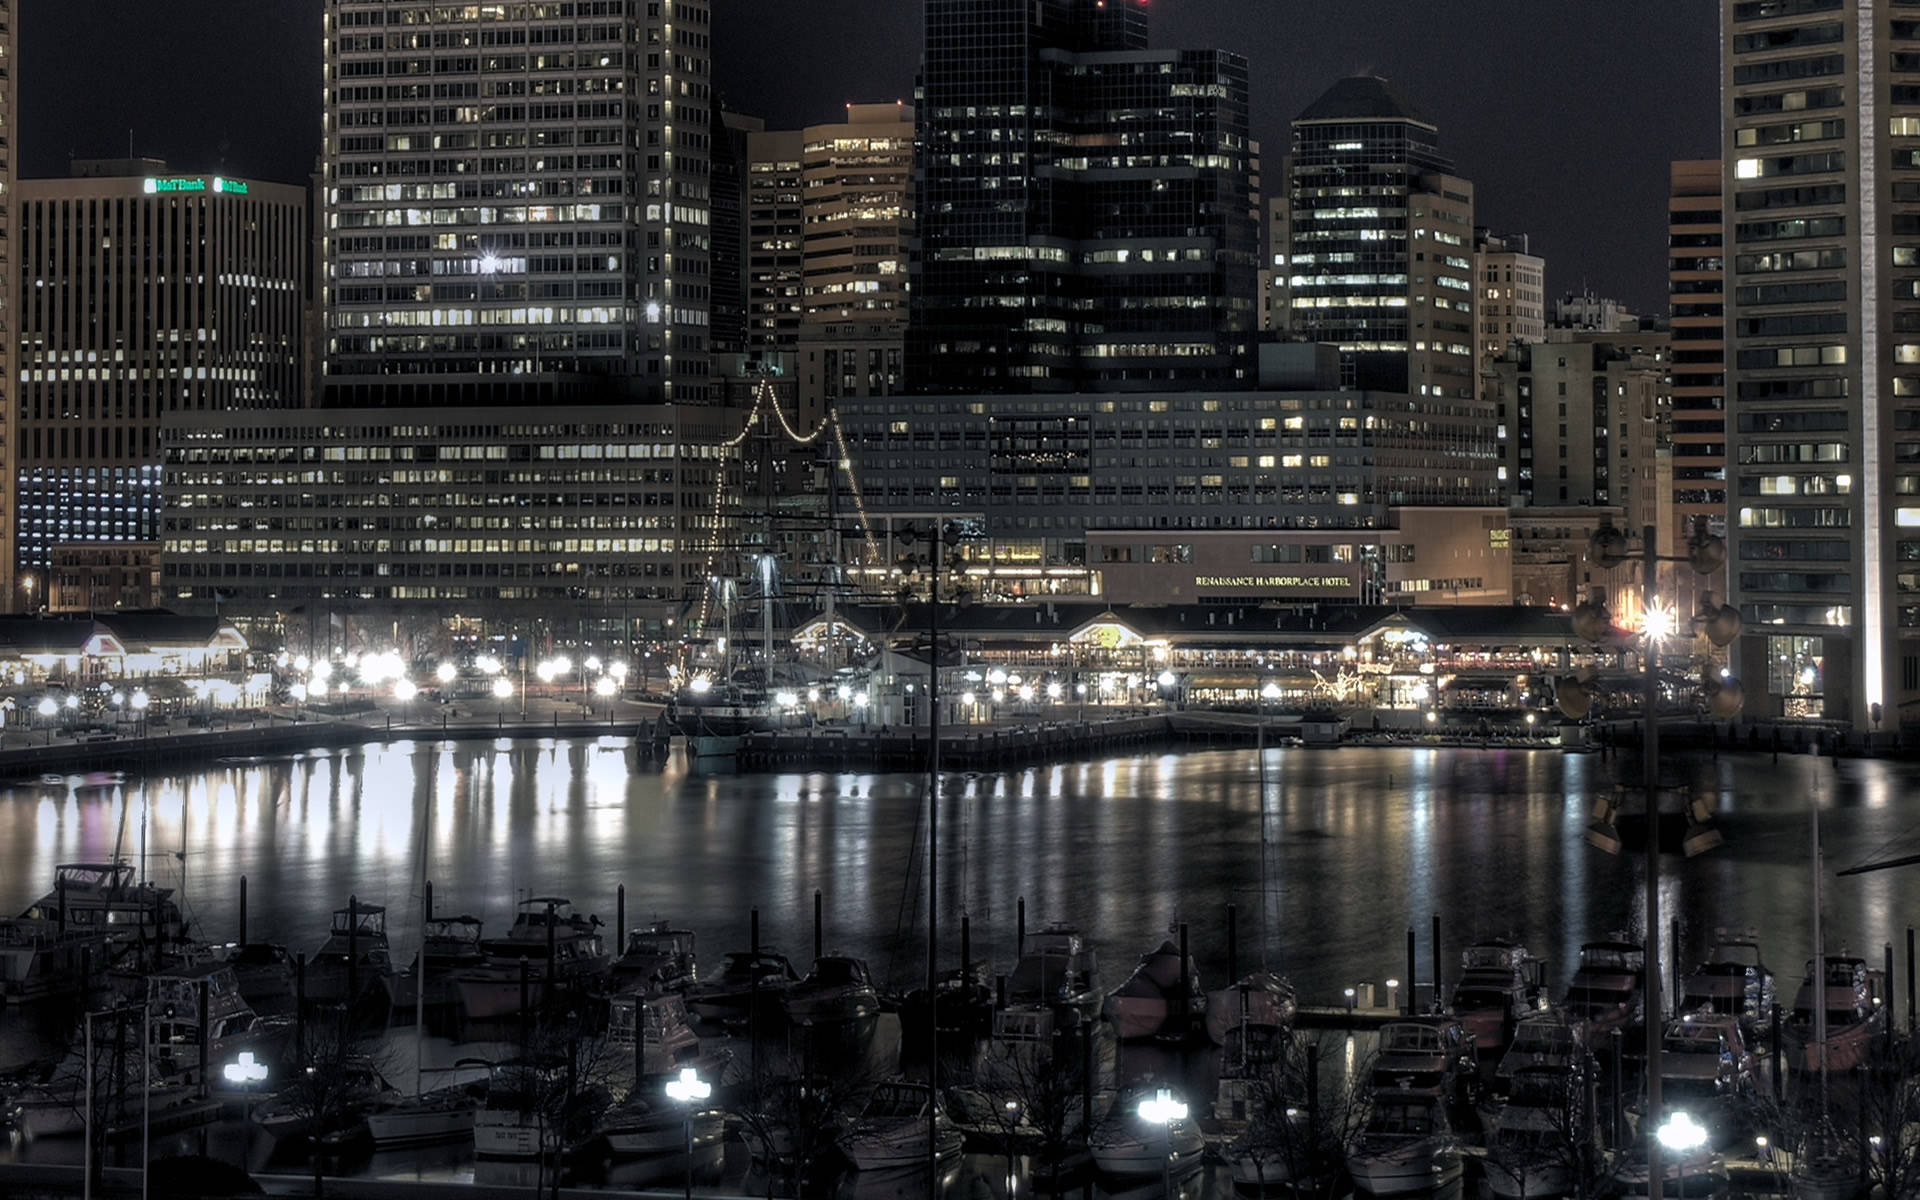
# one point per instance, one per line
(264, 973)
(520, 1117)
(442, 1115)
(354, 966)
(1499, 984)
(837, 989)
(1544, 1039)
(1534, 1148)
(1406, 1146)
(233, 1028)
(1607, 989)
(1127, 1144)
(891, 1131)
(1431, 1056)
(1692, 1175)
(657, 957)
(1259, 998)
(57, 1109)
(1056, 968)
(104, 897)
(38, 962)
(653, 1124)
(1735, 982)
(290, 1114)
(1827, 1166)
(667, 1041)
(1155, 998)
(1856, 1014)
(1707, 1067)
(560, 948)
(744, 974)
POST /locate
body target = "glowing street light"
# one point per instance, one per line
(446, 672)
(404, 691)
(1682, 1133)
(605, 686)
(502, 688)
(1163, 1110)
(687, 1091)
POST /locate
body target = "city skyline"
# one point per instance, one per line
(1603, 101)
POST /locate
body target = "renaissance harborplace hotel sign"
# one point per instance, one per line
(189, 184)
(1272, 581)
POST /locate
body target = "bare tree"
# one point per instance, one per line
(1545, 1135)
(570, 1060)
(793, 1122)
(1300, 1125)
(1888, 1098)
(1034, 1095)
(329, 1079)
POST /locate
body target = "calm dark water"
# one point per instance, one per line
(1359, 844)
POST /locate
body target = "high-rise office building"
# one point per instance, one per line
(11, 597)
(729, 191)
(1381, 261)
(1512, 304)
(773, 253)
(145, 294)
(1697, 283)
(856, 246)
(517, 202)
(1821, 150)
(1086, 206)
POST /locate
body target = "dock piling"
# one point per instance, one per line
(243, 910)
(1779, 1093)
(1439, 1001)
(1186, 983)
(300, 1006)
(1888, 977)
(620, 919)
(1673, 954)
(353, 950)
(1910, 980)
(1413, 972)
(1020, 926)
(966, 950)
(205, 1086)
(1233, 944)
(818, 942)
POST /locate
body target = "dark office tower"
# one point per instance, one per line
(1382, 243)
(730, 132)
(517, 202)
(1085, 204)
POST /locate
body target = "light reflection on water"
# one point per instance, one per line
(1363, 844)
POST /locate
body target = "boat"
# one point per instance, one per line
(961, 1006)
(1127, 1144)
(729, 996)
(57, 1109)
(643, 1125)
(1056, 969)
(290, 1113)
(1428, 1056)
(444, 1114)
(560, 949)
(1252, 1076)
(1499, 984)
(448, 946)
(1405, 1146)
(1545, 1039)
(1543, 1136)
(1827, 1165)
(106, 898)
(1606, 993)
(657, 956)
(1692, 1175)
(667, 1041)
(1855, 1010)
(1162, 997)
(264, 972)
(837, 989)
(1733, 980)
(1259, 998)
(892, 1129)
(41, 963)
(1706, 1067)
(523, 1115)
(233, 1027)
(354, 966)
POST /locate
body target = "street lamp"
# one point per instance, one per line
(1681, 1133)
(1163, 1110)
(140, 700)
(47, 710)
(686, 1091)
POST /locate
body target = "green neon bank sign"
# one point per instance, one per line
(195, 183)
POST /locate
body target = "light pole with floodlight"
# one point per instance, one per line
(686, 1091)
(1163, 1110)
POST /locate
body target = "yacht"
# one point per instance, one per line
(1056, 968)
(667, 1041)
(1733, 981)
(1159, 998)
(264, 972)
(1128, 1144)
(729, 996)
(354, 966)
(1259, 998)
(233, 1027)
(1253, 1066)
(1707, 1067)
(1537, 1144)
(657, 956)
(104, 897)
(1405, 1146)
(291, 1113)
(561, 950)
(891, 1131)
(1544, 1039)
(1606, 993)
(1693, 1175)
(1430, 1056)
(837, 989)
(1854, 995)
(518, 1117)
(448, 946)
(652, 1124)
(1499, 984)
(41, 963)
(442, 1115)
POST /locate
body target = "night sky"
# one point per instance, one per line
(1563, 115)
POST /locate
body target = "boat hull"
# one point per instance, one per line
(1847, 1047)
(1180, 1151)
(904, 1147)
(413, 1123)
(1399, 1172)
(663, 1133)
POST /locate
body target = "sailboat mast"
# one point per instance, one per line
(1819, 962)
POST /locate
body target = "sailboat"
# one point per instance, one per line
(1827, 1166)
(1262, 997)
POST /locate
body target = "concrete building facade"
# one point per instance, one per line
(517, 202)
(146, 294)
(1513, 301)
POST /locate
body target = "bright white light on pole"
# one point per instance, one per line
(1054, 691)
(46, 707)
(618, 671)
(1167, 679)
(301, 664)
(140, 700)
(404, 690)
(1162, 1109)
(298, 691)
(446, 672)
(73, 701)
(323, 670)
(245, 1069)
(689, 1087)
(786, 699)
(562, 665)
(969, 699)
(605, 686)
(1658, 621)
(1682, 1133)
(1271, 691)
(593, 663)
(545, 671)
(700, 685)
(502, 688)
(861, 700)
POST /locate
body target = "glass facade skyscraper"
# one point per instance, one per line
(1381, 258)
(1086, 205)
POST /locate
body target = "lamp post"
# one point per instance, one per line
(1592, 622)
(1163, 1110)
(686, 1091)
(140, 700)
